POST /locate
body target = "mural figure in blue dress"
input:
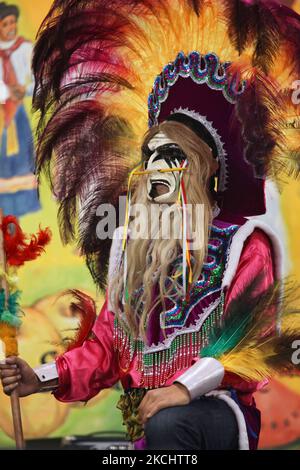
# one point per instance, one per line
(18, 186)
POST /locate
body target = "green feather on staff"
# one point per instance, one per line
(10, 308)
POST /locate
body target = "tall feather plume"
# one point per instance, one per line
(272, 32)
(290, 161)
(268, 27)
(92, 149)
(268, 36)
(289, 22)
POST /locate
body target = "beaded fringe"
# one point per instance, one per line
(157, 367)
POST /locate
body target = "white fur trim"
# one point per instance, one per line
(237, 246)
(243, 435)
(274, 219)
(115, 257)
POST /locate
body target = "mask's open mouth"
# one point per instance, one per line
(158, 188)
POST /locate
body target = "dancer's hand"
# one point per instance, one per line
(165, 397)
(17, 374)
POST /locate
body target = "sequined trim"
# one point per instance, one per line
(201, 69)
(209, 284)
(157, 367)
(157, 363)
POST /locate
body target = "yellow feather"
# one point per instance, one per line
(159, 37)
(249, 364)
(290, 322)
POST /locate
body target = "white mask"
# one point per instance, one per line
(164, 154)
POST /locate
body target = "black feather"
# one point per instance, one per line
(268, 37)
(257, 24)
(239, 23)
(196, 5)
(259, 104)
(283, 348)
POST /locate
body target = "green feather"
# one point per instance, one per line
(9, 319)
(242, 313)
(13, 303)
(9, 313)
(2, 300)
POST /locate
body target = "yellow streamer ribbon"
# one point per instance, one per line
(162, 170)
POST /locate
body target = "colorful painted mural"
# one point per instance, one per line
(18, 187)
(48, 319)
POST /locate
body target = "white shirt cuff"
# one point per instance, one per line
(46, 372)
(202, 377)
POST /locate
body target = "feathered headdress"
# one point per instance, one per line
(106, 69)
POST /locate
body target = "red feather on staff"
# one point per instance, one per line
(20, 247)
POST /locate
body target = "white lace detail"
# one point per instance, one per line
(222, 154)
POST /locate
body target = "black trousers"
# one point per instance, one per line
(205, 424)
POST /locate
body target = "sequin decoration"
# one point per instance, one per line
(202, 69)
(157, 367)
(210, 280)
(159, 362)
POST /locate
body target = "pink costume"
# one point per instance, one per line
(85, 371)
(221, 94)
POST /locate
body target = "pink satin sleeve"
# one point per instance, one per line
(256, 257)
(86, 370)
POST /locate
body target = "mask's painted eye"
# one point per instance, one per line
(145, 164)
(146, 154)
(172, 154)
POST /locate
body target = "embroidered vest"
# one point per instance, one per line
(176, 336)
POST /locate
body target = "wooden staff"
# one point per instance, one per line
(14, 397)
